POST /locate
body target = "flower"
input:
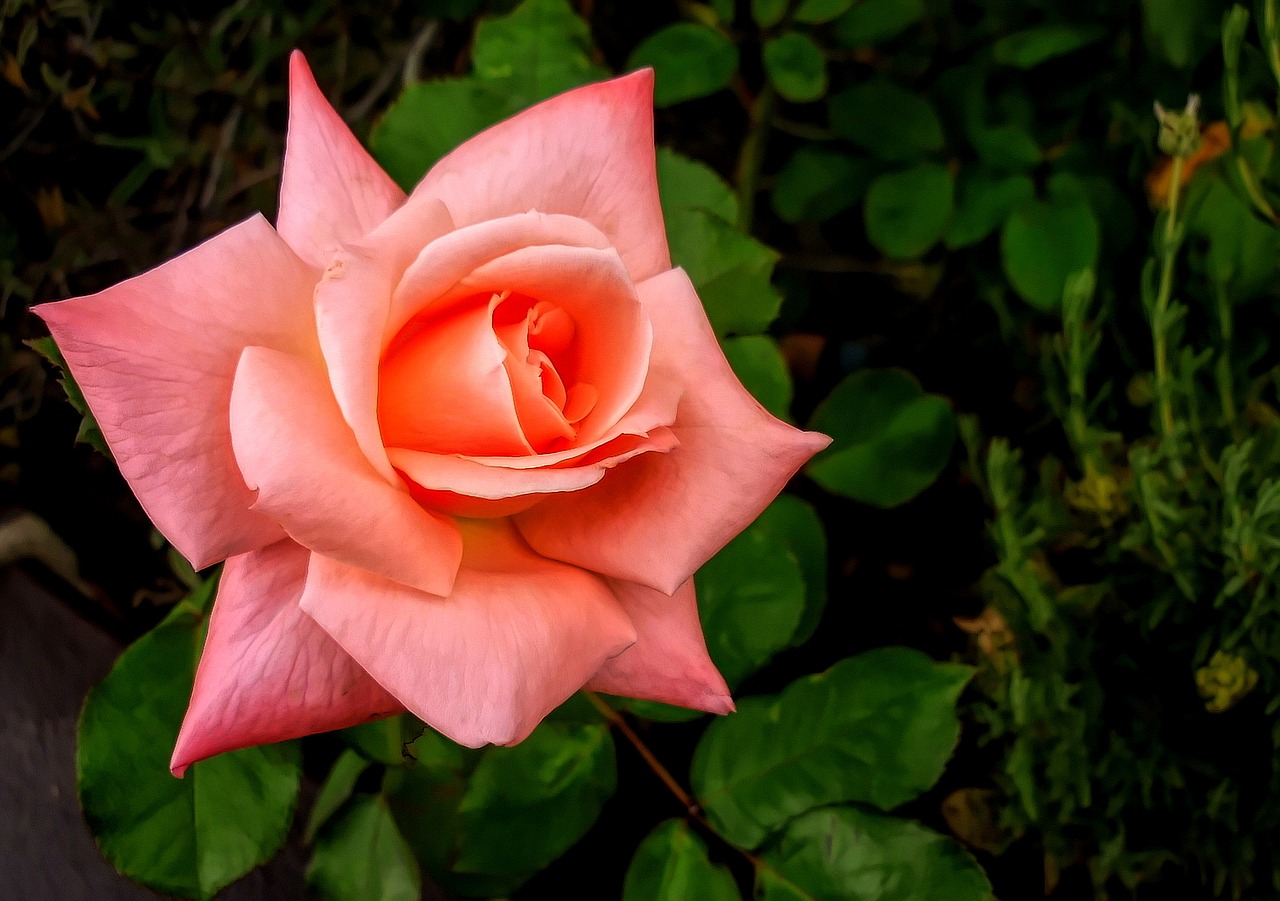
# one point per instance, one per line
(462, 451)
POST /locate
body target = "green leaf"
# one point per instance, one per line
(907, 212)
(983, 202)
(430, 119)
(540, 48)
(847, 854)
(361, 856)
(1043, 242)
(815, 12)
(1181, 31)
(381, 741)
(338, 787)
(797, 524)
(768, 13)
(796, 67)
(1029, 48)
(547, 790)
(1241, 250)
(1005, 148)
(686, 184)
(890, 440)
(818, 182)
(88, 433)
(731, 271)
(671, 863)
(873, 21)
(689, 60)
(877, 729)
(889, 121)
(759, 366)
(193, 836)
(751, 597)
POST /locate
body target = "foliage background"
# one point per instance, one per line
(901, 210)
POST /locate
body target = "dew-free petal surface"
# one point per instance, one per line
(331, 190)
(587, 153)
(669, 661)
(268, 672)
(660, 517)
(518, 635)
(295, 449)
(155, 356)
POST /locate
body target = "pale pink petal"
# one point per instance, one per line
(331, 192)
(660, 517)
(352, 303)
(587, 153)
(294, 448)
(155, 356)
(518, 635)
(669, 661)
(268, 672)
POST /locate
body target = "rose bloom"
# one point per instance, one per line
(462, 451)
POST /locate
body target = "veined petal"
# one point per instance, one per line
(587, 153)
(518, 635)
(294, 448)
(660, 517)
(155, 356)
(331, 191)
(268, 672)
(669, 661)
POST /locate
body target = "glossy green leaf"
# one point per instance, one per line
(193, 836)
(88, 433)
(1006, 148)
(337, 789)
(1033, 46)
(767, 13)
(876, 729)
(382, 741)
(361, 856)
(540, 48)
(1182, 31)
(814, 12)
(671, 863)
(873, 21)
(686, 184)
(1043, 242)
(849, 854)
(818, 182)
(795, 523)
(759, 366)
(1241, 251)
(907, 212)
(731, 271)
(431, 118)
(547, 790)
(796, 67)
(751, 597)
(983, 202)
(689, 60)
(890, 439)
(889, 121)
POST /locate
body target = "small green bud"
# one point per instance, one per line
(1179, 129)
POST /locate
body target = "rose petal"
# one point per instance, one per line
(518, 635)
(294, 448)
(352, 303)
(587, 153)
(657, 519)
(268, 672)
(669, 661)
(331, 190)
(155, 356)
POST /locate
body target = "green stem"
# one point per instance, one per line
(1159, 314)
(752, 157)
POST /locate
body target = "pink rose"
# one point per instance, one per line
(462, 451)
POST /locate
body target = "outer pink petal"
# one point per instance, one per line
(331, 192)
(294, 448)
(352, 304)
(268, 672)
(518, 635)
(669, 661)
(155, 356)
(657, 519)
(587, 153)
